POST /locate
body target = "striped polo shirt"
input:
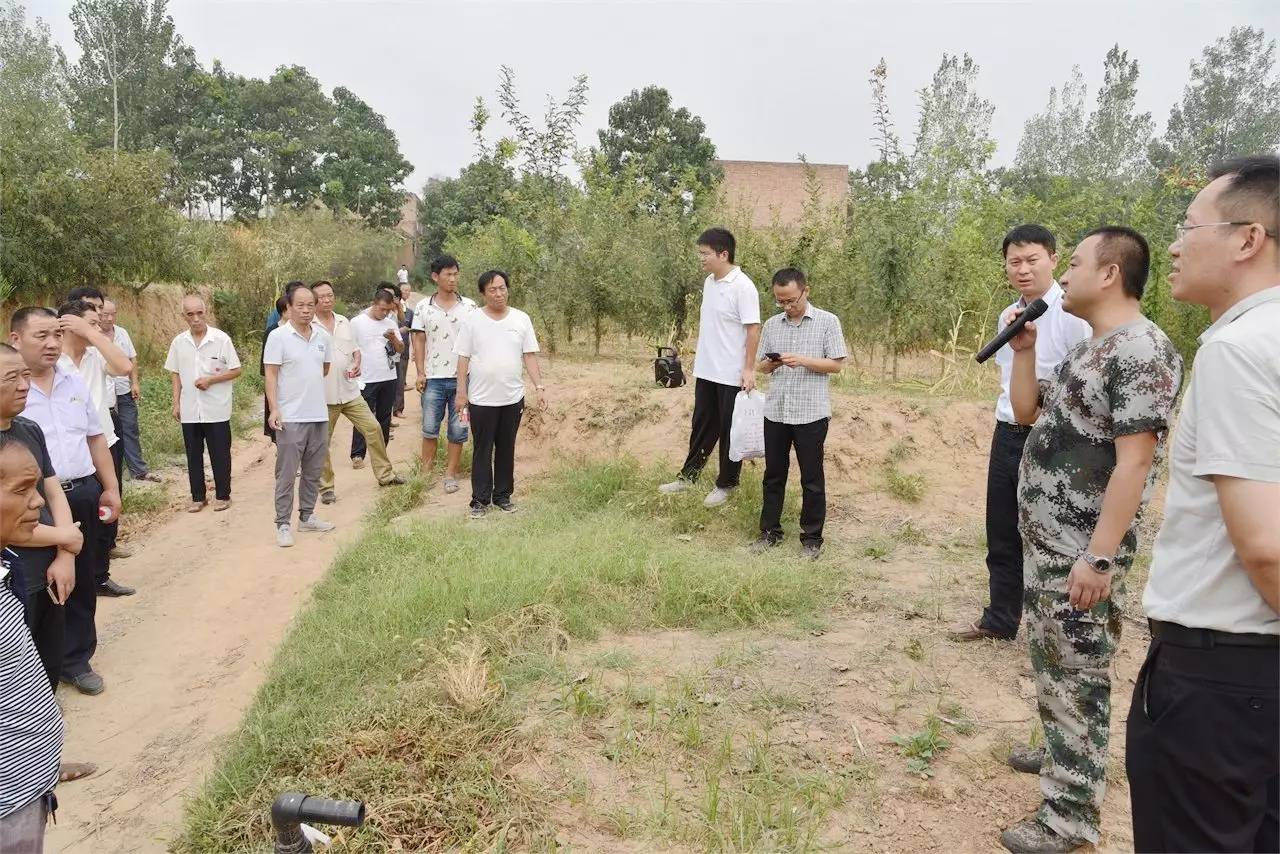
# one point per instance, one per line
(30, 722)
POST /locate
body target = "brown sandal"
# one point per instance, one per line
(75, 771)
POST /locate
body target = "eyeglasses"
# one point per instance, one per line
(1183, 229)
(788, 303)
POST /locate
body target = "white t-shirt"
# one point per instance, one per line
(123, 385)
(300, 387)
(337, 388)
(496, 351)
(402, 277)
(1056, 333)
(1230, 427)
(441, 328)
(93, 372)
(368, 333)
(214, 355)
(729, 306)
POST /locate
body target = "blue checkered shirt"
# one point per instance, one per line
(799, 395)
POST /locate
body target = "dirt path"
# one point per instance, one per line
(183, 658)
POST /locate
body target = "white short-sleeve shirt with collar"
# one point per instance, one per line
(300, 385)
(1056, 333)
(68, 418)
(92, 370)
(1229, 427)
(729, 306)
(123, 385)
(215, 354)
(338, 388)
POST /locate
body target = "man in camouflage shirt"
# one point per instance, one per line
(1088, 470)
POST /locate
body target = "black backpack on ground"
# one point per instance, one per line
(666, 368)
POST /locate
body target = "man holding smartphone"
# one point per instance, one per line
(800, 348)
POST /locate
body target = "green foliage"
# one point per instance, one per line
(667, 147)
(921, 747)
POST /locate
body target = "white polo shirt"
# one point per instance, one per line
(441, 325)
(402, 277)
(368, 334)
(337, 388)
(1056, 333)
(300, 386)
(123, 385)
(1229, 426)
(93, 371)
(729, 306)
(495, 351)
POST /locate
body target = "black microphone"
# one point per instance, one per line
(1036, 308)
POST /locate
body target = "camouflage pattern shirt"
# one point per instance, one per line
(1120, 384)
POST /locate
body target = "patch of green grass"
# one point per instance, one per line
(140, 499)
(359, 703)
(921, 747)
(914, 650)
(907, 487)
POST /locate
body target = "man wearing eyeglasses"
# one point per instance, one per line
(1203, 736)
(801, 348)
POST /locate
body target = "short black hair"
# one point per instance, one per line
(9, 439)
(281, 304)
(85, 292)
(384, 295)
(389, 288)
(1029, 233)
(718, 240)
(1129, 251)
(1253, 191)
(787, 275)
(440, 263)
(78, 307)
(301, 287)
(325, 282)
(290, 287)
(489, 275)
(18, 322)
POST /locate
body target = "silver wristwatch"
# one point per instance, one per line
(1099, 563)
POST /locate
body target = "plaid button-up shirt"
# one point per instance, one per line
(799, 395)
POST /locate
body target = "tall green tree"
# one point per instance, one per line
(666, 146)
(119, 81)
(1230, 107)
(1116, 135)
(1051, 139)
(362, 167)
(953, 138)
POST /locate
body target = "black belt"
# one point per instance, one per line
(1014, 428)
(1208, 638)
(68, 485)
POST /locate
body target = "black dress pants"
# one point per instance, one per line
(712, 420)
(1202, 749)
(493, 452)
(47, 622)
(216, 437)
(808, 441)
(381, 397)
(1004, 543)
(81, 638)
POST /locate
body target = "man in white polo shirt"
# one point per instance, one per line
(1030, 256)
(1203, 739)
(128, 393)
(202, 365)
(728, 332)
(342, 394)
(297, 357)
(376, 331)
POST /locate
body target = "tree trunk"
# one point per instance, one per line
(115, 117)
(599, 331)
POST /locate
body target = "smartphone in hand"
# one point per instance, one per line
(773, 357)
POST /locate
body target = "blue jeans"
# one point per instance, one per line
(130, 438)
(440, 396)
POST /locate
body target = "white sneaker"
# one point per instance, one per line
(315, 525)
(677, 485)
(717, 496)
(284, 536)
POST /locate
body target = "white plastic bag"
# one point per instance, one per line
(746, 434)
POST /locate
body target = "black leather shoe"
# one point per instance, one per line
(113, 588)
(86, 683)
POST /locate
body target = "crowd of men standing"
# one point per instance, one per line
(1087, 404)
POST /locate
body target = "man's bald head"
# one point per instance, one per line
(194, 313)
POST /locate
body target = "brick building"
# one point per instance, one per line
(777, 192)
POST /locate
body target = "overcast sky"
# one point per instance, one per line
(770, 79)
